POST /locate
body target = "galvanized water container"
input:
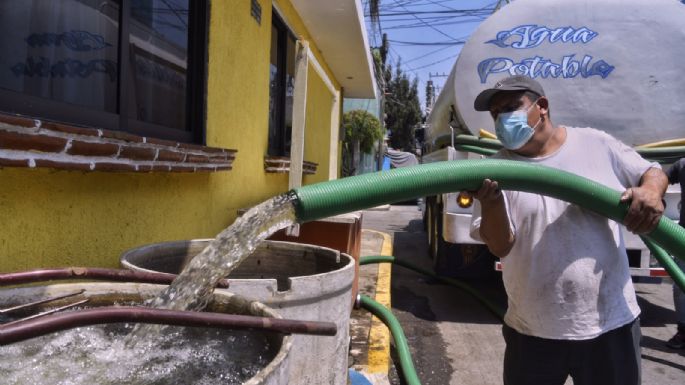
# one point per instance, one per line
(303, 282)
(104, 294)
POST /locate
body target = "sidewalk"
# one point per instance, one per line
(369, 359)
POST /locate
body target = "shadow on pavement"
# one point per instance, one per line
(659, 316)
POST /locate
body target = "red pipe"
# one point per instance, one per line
(95, 273)
(25, 329)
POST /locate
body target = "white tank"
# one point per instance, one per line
(615, 65)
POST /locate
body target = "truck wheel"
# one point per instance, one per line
(424, 216)
(437, 247)
(466, 261)
(429, 223)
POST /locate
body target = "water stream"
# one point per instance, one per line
(192, 288)
(150, 354)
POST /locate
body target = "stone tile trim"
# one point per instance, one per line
(33, 143)
(280, 164)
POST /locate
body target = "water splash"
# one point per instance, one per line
(97, 355)
(193, 287)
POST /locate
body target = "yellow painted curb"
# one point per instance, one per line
(379, 335)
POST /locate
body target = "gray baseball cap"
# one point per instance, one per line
(512, 83)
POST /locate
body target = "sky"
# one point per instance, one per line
(427, 35)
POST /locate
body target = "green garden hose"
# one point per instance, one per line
(476, 141)
(401, 346)
(471, 143)
(339, 196)
(475, 149)
(386, 316)
(667, 263)
(496, 310)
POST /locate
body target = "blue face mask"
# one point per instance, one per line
(512, 128)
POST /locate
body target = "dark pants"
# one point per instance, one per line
(612, 358)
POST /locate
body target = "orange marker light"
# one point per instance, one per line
(464, 200)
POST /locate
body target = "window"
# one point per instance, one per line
(282, 84)
(130, 65)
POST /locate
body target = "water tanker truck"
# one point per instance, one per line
(614, 65)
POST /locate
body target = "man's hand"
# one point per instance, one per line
(494, 227)
(645, 210)
(488, 192)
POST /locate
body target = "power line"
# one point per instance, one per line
(421, 43)
(427, 54)
(419, 3)
(437, 62)
(427, 25)
(477, 19)
(480, 11)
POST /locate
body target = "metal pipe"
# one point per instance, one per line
(27, 329)
(451, 135)
(95, 273)
(39, 302)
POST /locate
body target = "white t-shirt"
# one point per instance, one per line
(567, 275)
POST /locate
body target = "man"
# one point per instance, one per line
(572, 307)
(676, 174)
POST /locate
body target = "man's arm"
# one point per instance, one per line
(494, 225)
(673, 173)
(646, 204)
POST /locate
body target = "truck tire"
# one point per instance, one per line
(465, 261)
(440, 249)
(429, 223)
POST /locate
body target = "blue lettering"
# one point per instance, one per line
(151, 70)
(41, 67)
(601, 68)
(81, 41)
(532, 35)
(492, 66)
(538, 67)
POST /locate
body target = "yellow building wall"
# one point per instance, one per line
(317, 127)
(55, 218)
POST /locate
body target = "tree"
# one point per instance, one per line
(362, 126)
(402, 108)
(362, 131)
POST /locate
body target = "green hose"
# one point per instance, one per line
(475, 149)
(496, 310)
(479, 145)
(385, 315)
(667, 263)
(476, 141)
(369, 190)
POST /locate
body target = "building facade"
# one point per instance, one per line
(128, 122)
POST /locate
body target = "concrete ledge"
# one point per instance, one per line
(380, 208)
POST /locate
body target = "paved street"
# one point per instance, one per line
(455, 340)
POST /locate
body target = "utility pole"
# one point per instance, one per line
(432, 90)
(430, 96)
